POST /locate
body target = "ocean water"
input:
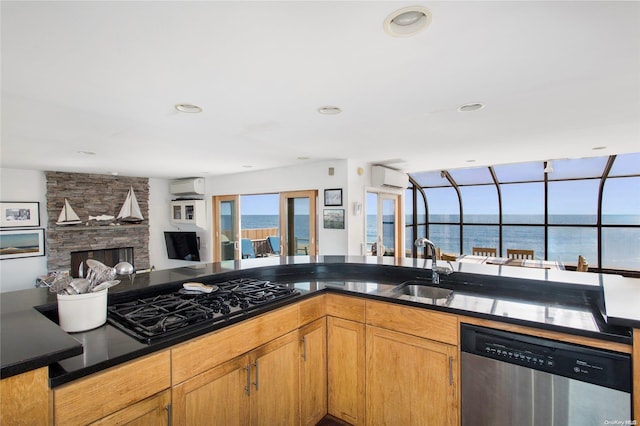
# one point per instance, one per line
(621, 246)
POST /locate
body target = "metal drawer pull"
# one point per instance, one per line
(168, 408)
(304, 348)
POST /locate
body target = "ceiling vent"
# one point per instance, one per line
(191, 186)
(389, 178)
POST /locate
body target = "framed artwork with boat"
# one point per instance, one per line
(21, 243)
(19, 214)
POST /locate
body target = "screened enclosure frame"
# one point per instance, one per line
(419, 196)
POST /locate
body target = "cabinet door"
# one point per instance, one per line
(218, 396)
(313, 372)
(25, 398)
(346, 371)
(275, 385)
(152, 411)
(410, 380)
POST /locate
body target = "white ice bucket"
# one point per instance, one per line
(81, 312)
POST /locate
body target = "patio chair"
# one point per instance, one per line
(247, 249)
(274, 243)
(519, 254)
(484, 251)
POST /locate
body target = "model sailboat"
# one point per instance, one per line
(67, 215)
(130, 211)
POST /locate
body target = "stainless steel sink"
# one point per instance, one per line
(413, 288)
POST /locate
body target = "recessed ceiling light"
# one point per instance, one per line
(470, 107)
(329, 110)
(303, 158)
(598, 148)
(86, 152)
(407, 21)
(188, 108)
(470, 161)
(247, 166)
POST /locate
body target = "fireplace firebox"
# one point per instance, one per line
(109, 257)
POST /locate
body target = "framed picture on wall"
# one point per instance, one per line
(333, 218)
(19, 214)
(21, 243)
(333, 197)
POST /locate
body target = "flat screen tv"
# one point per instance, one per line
(182, 245)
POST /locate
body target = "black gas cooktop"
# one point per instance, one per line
(168, 315)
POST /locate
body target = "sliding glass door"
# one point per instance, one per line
(298, 222)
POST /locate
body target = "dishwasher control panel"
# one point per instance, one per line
(597, 366)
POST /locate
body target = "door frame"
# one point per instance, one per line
(397, 198)
(215, 235)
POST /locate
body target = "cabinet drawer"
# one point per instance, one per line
(312, 309)
(418, 322)
(104, 393)
(351, 308)
(151, 411)
(199, 355)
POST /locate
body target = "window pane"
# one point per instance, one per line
(520, 172)
(626, 164)
(443, 205)
(523, 237)
(621, 248)
(479, 236)
(621, 201)
(430, 179)
(471, 176)
(447, 237)
(567, 243)
(578, 168)
(479, 204)
(574, 202)
(522, 202)
(260, 211)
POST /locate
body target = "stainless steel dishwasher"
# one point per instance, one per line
(515, 379)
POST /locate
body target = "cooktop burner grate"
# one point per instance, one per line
(154, 318)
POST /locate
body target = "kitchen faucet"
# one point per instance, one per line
(435, 271)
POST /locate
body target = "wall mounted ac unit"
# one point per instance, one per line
(384, 177)
(191, 186)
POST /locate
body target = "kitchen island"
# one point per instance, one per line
(514, 297)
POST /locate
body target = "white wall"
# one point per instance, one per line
(307, 176)
(23, 185)
(160, 221)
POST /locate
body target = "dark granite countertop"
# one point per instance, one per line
(564, 301)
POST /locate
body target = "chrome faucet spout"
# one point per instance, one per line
(424, 242)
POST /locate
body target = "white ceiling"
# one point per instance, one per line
(557, 78)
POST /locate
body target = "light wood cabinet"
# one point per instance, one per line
(154, 411)
(259, 388)
(26, 398)
(313, 372)
(102, 394)
(346, 370)
(216, 397)
(410, 380)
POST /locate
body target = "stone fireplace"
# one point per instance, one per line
(94, 195)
